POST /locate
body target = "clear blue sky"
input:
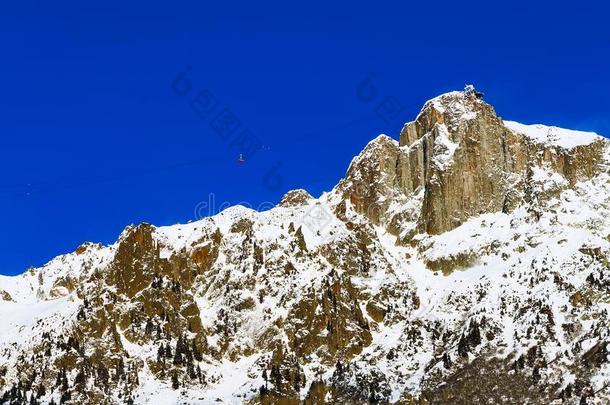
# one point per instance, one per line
(95, 134)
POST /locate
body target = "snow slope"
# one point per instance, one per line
(565, 138)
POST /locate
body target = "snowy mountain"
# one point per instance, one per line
(465, 263)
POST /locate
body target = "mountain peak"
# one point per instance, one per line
(462, 160)
(450, 109)
(451, 99)
(295, 198)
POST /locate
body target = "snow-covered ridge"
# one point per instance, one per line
(39, 284)
(555, 136)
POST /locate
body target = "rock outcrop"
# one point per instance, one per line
(464, 160)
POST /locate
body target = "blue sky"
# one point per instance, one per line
(97, 134)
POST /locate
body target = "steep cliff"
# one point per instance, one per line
(464, 161)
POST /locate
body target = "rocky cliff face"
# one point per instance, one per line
(465, 162)
(467, 263)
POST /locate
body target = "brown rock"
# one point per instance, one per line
(295, 198)
(463, 159)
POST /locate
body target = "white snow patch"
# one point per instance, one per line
(444, 148)
(549, 135)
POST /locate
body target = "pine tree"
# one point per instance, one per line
(178, 358)
(120, 368)
(474, 335)
(80, 377)
(338, 369)
(149, 328)
(175, 383)
(463, 347)
(446, 360)
(136, 377)
(161, 354)
(199, 375)
(65, 397)
(373, 392)
(196, 352)
(536, 375)
(276, 376)
(58, 379)
(191, 371)
(62, 380)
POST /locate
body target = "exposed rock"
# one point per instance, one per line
(464, 160)
(295, 198)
